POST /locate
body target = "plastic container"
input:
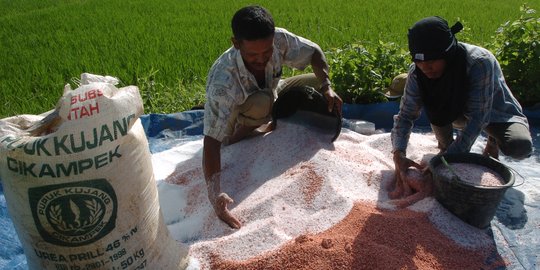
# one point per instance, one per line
(359, 126)
(474, 204)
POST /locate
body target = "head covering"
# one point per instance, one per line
(396, 87)
(444, 98)
(431, 38)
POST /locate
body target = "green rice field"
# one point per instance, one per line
(167, 46)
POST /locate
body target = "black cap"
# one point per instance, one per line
(431, 38)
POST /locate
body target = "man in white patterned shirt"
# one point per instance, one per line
(243, 84)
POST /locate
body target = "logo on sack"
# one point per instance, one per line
(74, 214)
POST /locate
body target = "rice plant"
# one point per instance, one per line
(45, 43)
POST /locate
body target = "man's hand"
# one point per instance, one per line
(320, 68)
(491, 149)
(220, 204)
(402, 163)
(220, 201)
(421, 184)
(334, 101)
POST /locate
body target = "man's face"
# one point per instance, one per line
(433, 69)
(255, 53)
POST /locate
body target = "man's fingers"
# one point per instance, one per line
(223, 197)
(223, 200)
(223, 213)
(228, 218)
(416, 165)
(394, 194)
(334, 102)
(408, 201)
(392, 184)
(406, 186)
(407, 190)
(411, 163)
(338, 105)
(234, 223)
(331, 103)
(398, 188)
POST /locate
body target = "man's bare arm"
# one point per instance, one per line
(320, 68)
(212, 168)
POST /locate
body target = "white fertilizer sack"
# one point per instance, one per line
(81, 193)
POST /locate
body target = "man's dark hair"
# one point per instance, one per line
(252, 23)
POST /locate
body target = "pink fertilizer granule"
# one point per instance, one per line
(369, 238)
(472, 173)
(308, 203)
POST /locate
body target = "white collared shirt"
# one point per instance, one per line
(229, 83)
